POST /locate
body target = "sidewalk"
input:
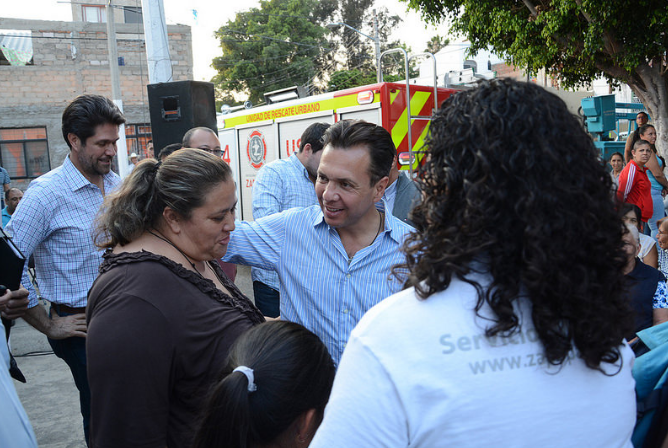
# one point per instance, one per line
(50, 397)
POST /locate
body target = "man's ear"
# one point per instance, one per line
(308, 150)
(172, 219)
(380, 188)
(75, 141)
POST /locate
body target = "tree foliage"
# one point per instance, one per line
(347, 79)
(283, 43)
(357, 48)
(436, 43)
(280, 44)
(356, 55)
(575, 40)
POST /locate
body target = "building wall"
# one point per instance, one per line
(119, 16)
(70, 59)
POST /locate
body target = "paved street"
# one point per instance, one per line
(50, 397)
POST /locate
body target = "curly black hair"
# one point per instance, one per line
(513, 181)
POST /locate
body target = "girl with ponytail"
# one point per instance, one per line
(274, 389)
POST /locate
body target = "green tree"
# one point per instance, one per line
(346, 79)
(356, 47)
(226, 98)
(278, 45)
(576, 40)
(357, 54)
(436, 44)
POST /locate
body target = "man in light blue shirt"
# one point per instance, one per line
(5, 181)
(12, 198)
(281, 185)
(55, 223)
(334, 261)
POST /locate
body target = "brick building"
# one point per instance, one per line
(69, 59)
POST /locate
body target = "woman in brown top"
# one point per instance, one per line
(162, 315)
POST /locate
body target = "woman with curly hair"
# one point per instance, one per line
(511, 332)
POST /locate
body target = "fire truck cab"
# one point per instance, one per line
(254, 137)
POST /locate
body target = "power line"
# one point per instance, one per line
(268, 38)
(263, 75)
(257, 13)
(73, 38)
(233, 62)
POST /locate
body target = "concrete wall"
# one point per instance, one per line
(70, 59)
(119, 15)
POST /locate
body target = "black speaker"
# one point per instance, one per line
(177, 107)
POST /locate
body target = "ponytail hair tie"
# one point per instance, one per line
(252, 387)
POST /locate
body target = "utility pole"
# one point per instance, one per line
(121, 146)
(157, 45)
(376, 41)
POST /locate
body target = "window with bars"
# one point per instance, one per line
(24, 152)
(137, 137)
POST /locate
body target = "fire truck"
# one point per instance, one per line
(251, 138)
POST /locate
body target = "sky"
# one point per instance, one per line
(211, 15)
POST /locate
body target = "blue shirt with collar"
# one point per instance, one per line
(55, 222)
(4, 180)
(5, 217)
(281, 185)
(320, 288)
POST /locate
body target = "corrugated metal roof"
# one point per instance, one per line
(16, 45)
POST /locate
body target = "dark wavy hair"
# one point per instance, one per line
(641, 131)
(513, 183)
(616, 153)
(86, 113)
(349, 134)
(293, 373)
(625, 207)
(313, 135)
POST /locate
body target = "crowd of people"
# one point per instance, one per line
(640, 189)
(498, 287)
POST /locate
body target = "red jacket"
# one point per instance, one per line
(635, 188)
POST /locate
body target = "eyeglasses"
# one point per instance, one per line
(215, 152)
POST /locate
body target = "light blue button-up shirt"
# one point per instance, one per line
(55, 222)
(320, 289)
(281, 185)
(15, 428)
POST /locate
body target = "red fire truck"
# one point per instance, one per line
(254, 137)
